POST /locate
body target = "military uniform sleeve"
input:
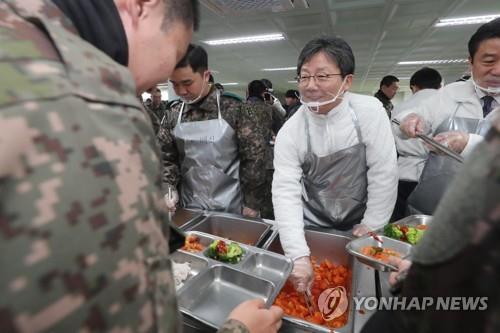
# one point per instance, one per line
(278, 120)
(252, 147)
(233, 326)
(169, 153)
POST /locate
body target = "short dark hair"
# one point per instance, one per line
(335, 48)
(292, 93)
(426, 78)
(184, 11)
(486, 31)
(267, 83)
(388, 80)
(256, 88)
(196, 57)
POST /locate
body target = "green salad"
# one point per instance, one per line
(405, 233)
(220, 250)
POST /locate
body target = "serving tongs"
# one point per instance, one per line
(436, 145)
(308, 300)
(177, 237)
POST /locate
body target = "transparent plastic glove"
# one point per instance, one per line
(454, 140)
(256, 317)
(302, 274)
(412, 125)
(171, 199)
(360, 230)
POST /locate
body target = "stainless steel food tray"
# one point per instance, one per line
(210, 294)
(355, 246)
(237, 228)
(323, 244)
(185, 218)
(414, 220)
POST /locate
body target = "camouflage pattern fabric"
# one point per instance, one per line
(81, 246)
(158, 110)
(250, 137)
(233, 326)
(271, 121)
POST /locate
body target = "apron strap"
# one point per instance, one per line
(180, 113)
(217, 95)
(355, 120)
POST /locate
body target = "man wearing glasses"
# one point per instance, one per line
(335, 160)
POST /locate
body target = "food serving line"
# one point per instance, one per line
(211, 287)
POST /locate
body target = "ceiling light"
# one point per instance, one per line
(466, 20)
(434, 62)
(292, 81)
(248, 39)
(230, 84)
(279, 69)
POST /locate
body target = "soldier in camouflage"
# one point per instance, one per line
(81, 246)
(191, 83)
(270, 120)
(157, 106)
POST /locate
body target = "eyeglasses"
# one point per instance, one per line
(319, 78)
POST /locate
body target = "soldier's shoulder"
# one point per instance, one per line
(231, 98)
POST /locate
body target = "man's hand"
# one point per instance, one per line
(257, 318)
(412, 125)
(249, 212)
(454, 140)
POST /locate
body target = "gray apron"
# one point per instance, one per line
(335, 186)
(209, 164)
(440, 169)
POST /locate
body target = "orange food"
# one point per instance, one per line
(192, 244)
(326, 275)
(421, 227)
(379, 253)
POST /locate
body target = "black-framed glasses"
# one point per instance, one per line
(319, 78)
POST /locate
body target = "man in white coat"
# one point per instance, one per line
(335, 159)
(457, 117)
(424, 84)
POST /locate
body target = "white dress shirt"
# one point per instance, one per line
(412, 152)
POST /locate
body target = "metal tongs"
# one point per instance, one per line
(308, 300)
(435, 144)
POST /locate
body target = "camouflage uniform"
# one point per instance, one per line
(250, 138)
(155, 121)
(158, 110)
(81, 246)
(271, 121)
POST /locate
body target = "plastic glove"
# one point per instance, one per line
(249, 212)
(172, 200)
(257, 319)
(412, 125)
(454, 140)
(360, 230)
(302, 274)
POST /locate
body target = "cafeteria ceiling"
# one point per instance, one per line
(380, 32)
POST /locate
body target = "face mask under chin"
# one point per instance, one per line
(314, 106)
(488, 90)
(200, 96)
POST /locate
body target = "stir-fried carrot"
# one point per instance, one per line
(379, 253)
(192, 244)
(326, 275)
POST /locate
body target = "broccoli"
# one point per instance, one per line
(413, 235)
(393, 231)
(219, 250)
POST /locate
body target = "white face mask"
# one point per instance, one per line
(315, 105)
(488, 90)
(197, 99)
